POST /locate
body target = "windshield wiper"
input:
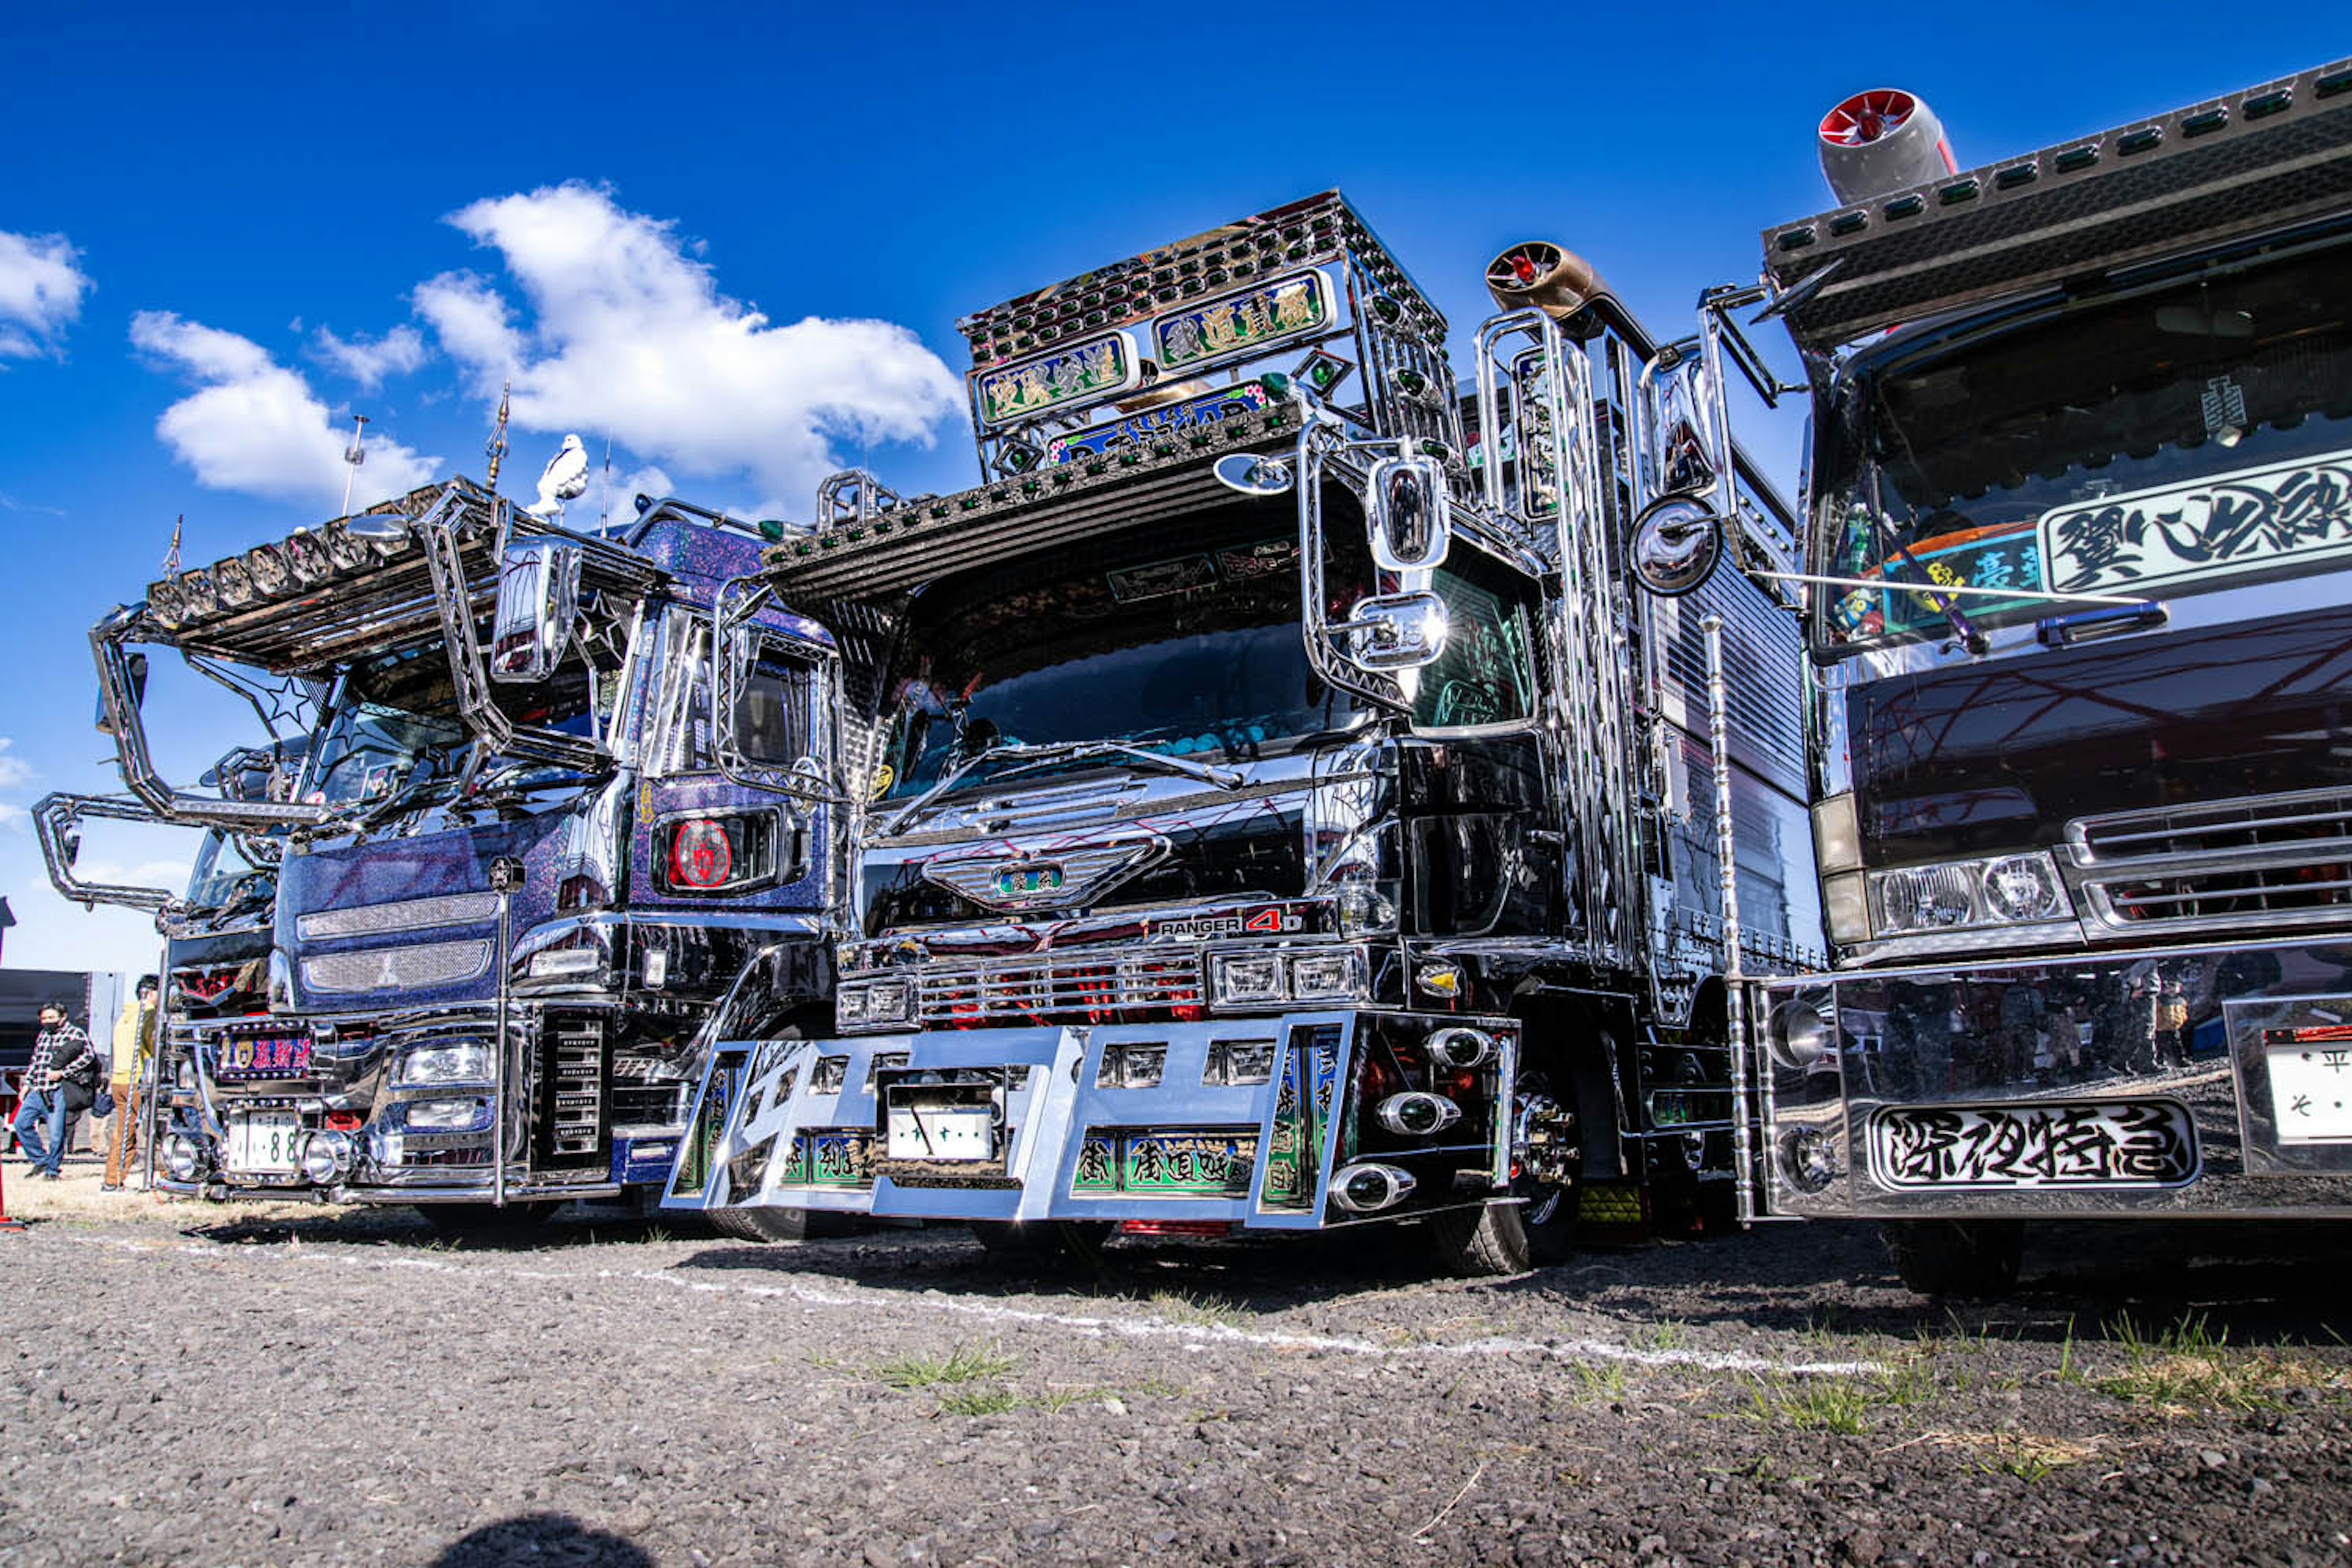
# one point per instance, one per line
(1028, 757)
(1947, 604)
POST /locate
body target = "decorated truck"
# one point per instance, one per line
(1277, 815)
(2079, 515)
(511, 885)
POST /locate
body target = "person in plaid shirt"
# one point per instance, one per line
(63, 1060)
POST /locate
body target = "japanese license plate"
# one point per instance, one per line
(2106, 1143)
(263, 1142)
(284, 1054)
(942, 1133)
(2311, 1083)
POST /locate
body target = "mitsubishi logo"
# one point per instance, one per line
(1012, 879)
(387, 974)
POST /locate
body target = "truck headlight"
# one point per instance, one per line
(445, 1115)
(2007, 889)
(1237, 977)
(873, 1003)
(1328, 977)
(468, 1062)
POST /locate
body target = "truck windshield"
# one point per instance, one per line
(223, 875)
(1186, 644)
(394, 723)
(2170, 440)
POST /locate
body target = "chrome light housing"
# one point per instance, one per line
(307, 556)
(1368, 1188)
(1957, 895)
(233, 582)
(1799, 1035)
(181, 1158)
(1417, 1114)
(266, 565)
(1337, 975)
(873, 1003)
(165, 604)
(197, 595)
(445, 1115)
(348, 553)
(326, 1156)
(1459, 1046)
(466, 1061)
(1241, 977)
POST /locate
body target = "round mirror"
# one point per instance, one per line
(1676, 544)
(1253, 475)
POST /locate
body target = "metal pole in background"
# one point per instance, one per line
(506, 876)
(1734, 1003)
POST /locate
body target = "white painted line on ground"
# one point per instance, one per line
(1144, 1327)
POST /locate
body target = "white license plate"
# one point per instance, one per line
(263, 1142)
(2311, 1091)
(942, 1133)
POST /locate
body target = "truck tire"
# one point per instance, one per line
(760, 1225)
(1498, 1239)
(481, 1225)
(1956, 1257)
(1035, 1243)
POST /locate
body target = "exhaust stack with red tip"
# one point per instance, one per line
(1881, 140)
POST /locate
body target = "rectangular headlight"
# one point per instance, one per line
(1328, 977)
(446, 1116)
(1958, 895)
(468, 1062)
(1236, 977)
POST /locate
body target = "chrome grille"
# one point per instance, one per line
(2283, 859)
(1093, 990)
(405, 914)
(396, 968)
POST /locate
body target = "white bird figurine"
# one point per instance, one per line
(566, 478)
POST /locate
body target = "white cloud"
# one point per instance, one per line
(40, 293)
(630, 337)
(256, 427)
(11, 817)
(396, 353)
(14, 772)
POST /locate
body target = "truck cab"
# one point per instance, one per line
(514, 885)
(2080, 511)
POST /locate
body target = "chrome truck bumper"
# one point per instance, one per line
(352, 1128)
(2176, 1081)
(1299, 1122)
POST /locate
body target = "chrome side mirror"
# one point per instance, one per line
(539, 598)
(1253, 475)
(1408, 513)
(1677, 544)
(1395, 631)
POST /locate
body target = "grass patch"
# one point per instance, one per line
(1597, 1380)
(2027, 1457)
(1840, 1404)
(964, 1363)
(980, 1399)
(1204, 1311)
(2187, 1368)
(1671, 1334)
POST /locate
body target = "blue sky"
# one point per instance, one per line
(222, 235)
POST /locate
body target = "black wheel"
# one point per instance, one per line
(761, 1225)
(1538, 1231)
(485, 1225)
(1956, 1257)
(1040, 1242)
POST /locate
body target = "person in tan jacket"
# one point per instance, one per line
(134, 1042)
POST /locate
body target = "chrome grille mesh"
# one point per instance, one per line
(2281, 859)
(396, 968)
(1090, 989)
(405, 914)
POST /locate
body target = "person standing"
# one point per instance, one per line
(134, 1043)
(64, 1061)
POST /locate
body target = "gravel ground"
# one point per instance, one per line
(228, 1386)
